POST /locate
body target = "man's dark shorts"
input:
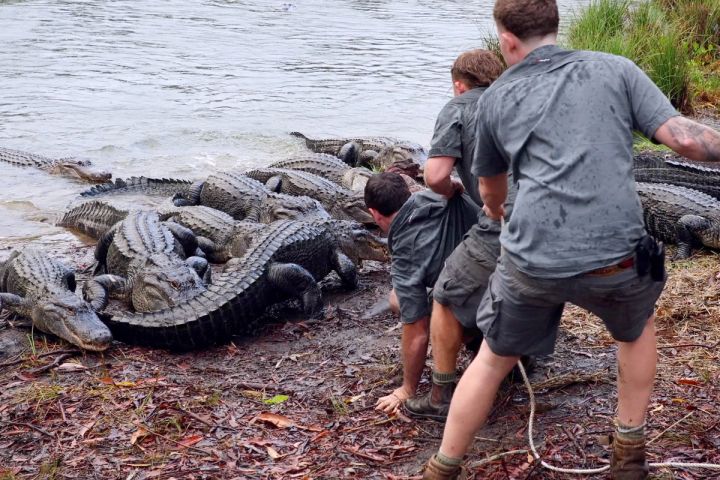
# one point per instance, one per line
(520, 315)
(464, 278)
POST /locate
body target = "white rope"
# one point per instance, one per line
(588, 471)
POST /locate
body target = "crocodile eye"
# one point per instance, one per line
(174, 284)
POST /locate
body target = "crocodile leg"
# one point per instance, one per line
(212, 252)
(350, 153)
(98, 290)
(345, 268)
(274, 184)
(193, 195)
(201, 266)
(185, 236)
(687, 237)
(101, 250)
(16, 304)
(298, 282)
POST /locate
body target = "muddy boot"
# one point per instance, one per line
(436, 470)
(434, 405)
(627, 461)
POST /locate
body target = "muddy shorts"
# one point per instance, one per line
(520, 315)
(464, 278)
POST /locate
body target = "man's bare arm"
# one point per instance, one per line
(437, 176)
(690, 139)
(493, 191)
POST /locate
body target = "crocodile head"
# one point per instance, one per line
(401, 159)
(287, 207)
(70, 318)
(354, 208)
(163, 287)
(357, 242)
(355, 179)
(82, 170)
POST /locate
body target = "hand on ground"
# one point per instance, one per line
(391, 403)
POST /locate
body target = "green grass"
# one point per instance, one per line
(674, 41)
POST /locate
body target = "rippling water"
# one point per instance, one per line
(180, 88)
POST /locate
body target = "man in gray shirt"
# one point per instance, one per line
(562, 121)
(423, 229)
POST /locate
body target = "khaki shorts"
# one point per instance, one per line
(520, 315)
(465, 276)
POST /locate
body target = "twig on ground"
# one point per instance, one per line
(54, 364)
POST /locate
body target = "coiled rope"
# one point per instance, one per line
(586, 471)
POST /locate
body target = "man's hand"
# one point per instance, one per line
(494, 214)
(457, 188)
(391, 403)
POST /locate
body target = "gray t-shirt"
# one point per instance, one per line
(454, 136)
(426, 229)
(562, 122)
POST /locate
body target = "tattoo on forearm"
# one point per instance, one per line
(707, 140)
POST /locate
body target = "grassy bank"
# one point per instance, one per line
(674, 41)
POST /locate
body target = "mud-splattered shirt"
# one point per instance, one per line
(426, 229)
(454, 136)
(562, 122)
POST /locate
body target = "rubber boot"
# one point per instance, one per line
(435, 470)
(627, 461)
(434, 405)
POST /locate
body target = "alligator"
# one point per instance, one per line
(366, 147)
(340, 202)
(68, 167)
(286, 261)
(247, 199)
(680, 215)
(220, 236)
(653, 168)
(147, 263)
(328, 167)
(41, 288)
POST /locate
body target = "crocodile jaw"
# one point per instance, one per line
(83, 172)
(77, 324)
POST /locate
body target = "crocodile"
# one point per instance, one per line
(704, 177)
(340, 202)
(41, 288)
(367, 147)
(247, 199)
(328, 167)
(286, 261)
(220, 236)
(680, 215)
(143, 261)
(69, 167)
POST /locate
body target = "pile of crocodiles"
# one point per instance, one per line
(272, 233)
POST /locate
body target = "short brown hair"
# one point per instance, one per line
(527, 18)
(477, 68)
(386, 192)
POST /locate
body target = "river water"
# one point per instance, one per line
(184, 88)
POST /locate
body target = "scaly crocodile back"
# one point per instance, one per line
(235, 194)
(93, 218)
(157, 187)
(25, 159)
(235, 298)
(664, 205)
(321, 164)
(33, 274)
(700, 180)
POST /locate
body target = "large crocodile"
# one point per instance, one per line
(69, 167)
(220, 236)
(340, 202)
(655, 168)
(139, 186)
(287, 261)
(247, 199)
(681, 215)
(144, 262)
(328, 167)
(368, 147)
(36, 286)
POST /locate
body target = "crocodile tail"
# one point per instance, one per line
(299, 135)
(133, 182)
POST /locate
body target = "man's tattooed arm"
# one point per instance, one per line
(690, 139)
